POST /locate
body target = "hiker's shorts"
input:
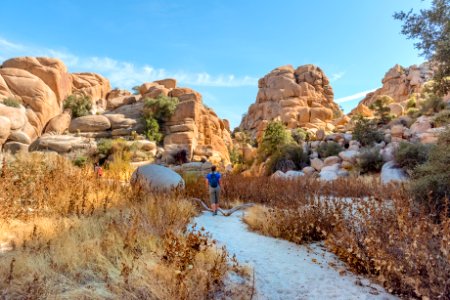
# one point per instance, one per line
(214, 194)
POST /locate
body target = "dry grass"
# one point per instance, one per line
(378, 231)
(66, 234)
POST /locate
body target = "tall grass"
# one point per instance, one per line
(67, 234)
(377, 230)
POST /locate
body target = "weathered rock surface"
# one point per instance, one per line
(15, 147)
(296, 97)
(154, 177)
(61, 143)
(59, 124)
(91, 84)
(390, 173)
(91, 123)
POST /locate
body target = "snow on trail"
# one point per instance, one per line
(284, 270)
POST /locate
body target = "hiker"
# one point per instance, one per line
(213, 181)
(98, 170)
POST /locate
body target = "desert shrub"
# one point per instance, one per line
(442, 118)
(382, 110)
(104, 147)
(430, 185)
(412, 102)
(152, 129)
(67, 229)
(80, 161)
(12, 102)
(329, 149)
(299, 135)
(366, 132)
(373, 228)
(287, 157)
(369, 160)
(431, 104)
(235, 157)
(410, 155)
(157, 111)
(80, 105)
(161, 108)
(275, 136)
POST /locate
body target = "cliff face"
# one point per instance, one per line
(301, 97)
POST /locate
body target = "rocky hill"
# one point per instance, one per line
(400, 84)
(301, 97)
(33, 90)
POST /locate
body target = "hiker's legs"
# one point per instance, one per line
(214, 198)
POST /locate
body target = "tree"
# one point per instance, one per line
(382, 110)
(431, 27)
(157, 111)
(366, 132)
(80, 105)
(275, 136)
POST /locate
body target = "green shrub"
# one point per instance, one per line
(369, 160)
(104, 147)
(161, 108)
(430, 185)
(409, 155)
(152, 130)
(275, 136)
(366, 132)
(431, 104)
(300, 135)
(157, 111)
(412, 102)
(442, 118)
(80, 105)
(12, 102)
(382, 110)
(235, 157)
(80, 161)
(290, 156)
(329, 149)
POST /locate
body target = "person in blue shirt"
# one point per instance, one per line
(213, 180)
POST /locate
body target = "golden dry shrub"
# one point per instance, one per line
(66, 234)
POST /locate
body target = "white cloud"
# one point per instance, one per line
(337, 76)
(124, 74)
(353, 97)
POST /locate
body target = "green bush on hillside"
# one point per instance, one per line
(275, 136)
(157, 111)
(442, 118)
(430, 186)
(80, 105)
(299, 135)
(369, 160)
(329, 149)
(366, 132)
(409, 155)
(290, 156)
(382, 110)
(12, 102)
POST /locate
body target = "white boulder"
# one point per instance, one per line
(390, 173)
(154, 177)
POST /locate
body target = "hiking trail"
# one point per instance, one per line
(284, 270)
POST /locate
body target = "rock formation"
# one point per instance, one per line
(193, 127)
(40, 85)
(299, 98)
(399, 83)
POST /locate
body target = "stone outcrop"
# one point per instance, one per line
(91, 123)
(193, 127)
(400, 84)
(300, 97)
(41, 85)
(154, 177)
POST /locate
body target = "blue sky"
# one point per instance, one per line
(219, 48)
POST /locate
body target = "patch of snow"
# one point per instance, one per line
(284, 270)
(389, 173)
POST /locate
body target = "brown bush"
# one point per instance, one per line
(67, 234)
(377, 230)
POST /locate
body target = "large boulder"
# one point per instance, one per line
(51, 71)
(5, 129)
(329, 173)
(91, 84)
(90, 123)
(61, 143)
(41, 101)
(299, 97)
(59, 124)
(154, 177)
(390, 173)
